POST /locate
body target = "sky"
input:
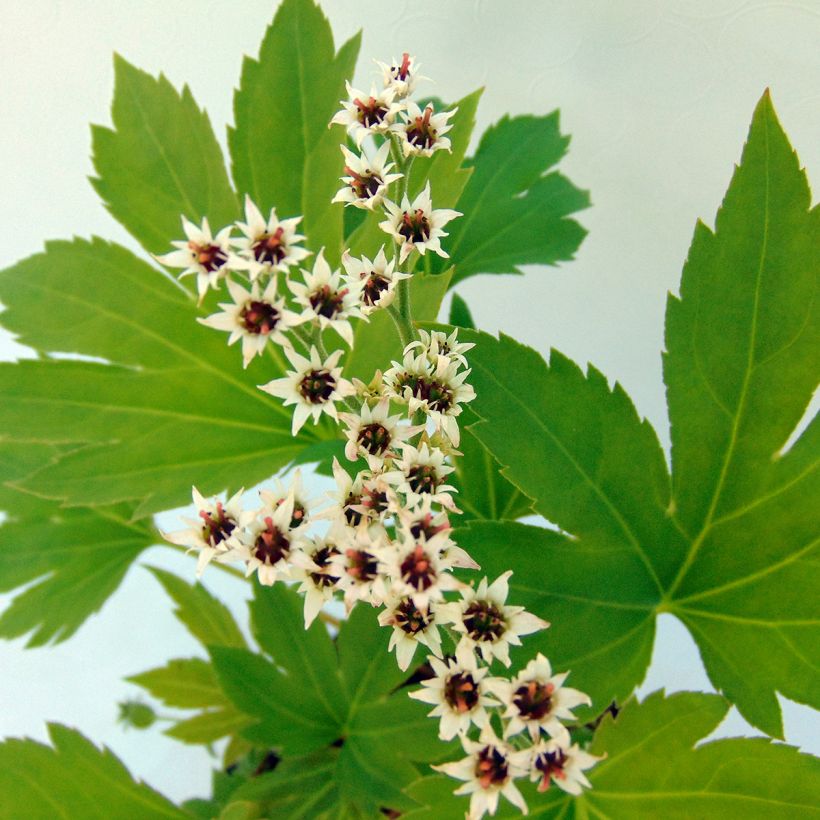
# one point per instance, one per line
(657, 97)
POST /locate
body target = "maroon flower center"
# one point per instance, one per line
(439, 397)
(362, 565)
(374, 438)
(366, 185)
(317, 386)
(420, 131)
(424, 527)
(491, 767)
(551, 764)
(410, 619)
(327, 302)
(259, 317)
(401, 72)
(270, 248)
(370, 112)
(353, 517)
(271, 545)
(375, 500)
(414, 227)
(417, 569)
(534, 700)
(210, 257)
(461, 692)
(484, 621)
(322, 558)
(217, 526)
(374, 287)
(422, 478)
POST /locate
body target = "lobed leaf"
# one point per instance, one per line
(728, 544)
(72, 779)
(283, 153)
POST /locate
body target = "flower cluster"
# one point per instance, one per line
(383, 537)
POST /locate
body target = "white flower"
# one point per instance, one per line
(373, 433)
(367, 180)
(214, 536)
(417, 226)
(357, 568)
(268, 541)
(208, 256)
(460, 694)
(422, 132)
(296, 493)
(420, 570)
(327, 300)
(486, 623)
(377, 280)
(436, 344)
(365, 114)
(313, 386)
(489, 770)
(411, 627)
(556, 761)
(312, 566)
(438, 389)
(421, 521)
(254, 318)
(421, 472)
(401, 76)
(536, 699)
(269, 245)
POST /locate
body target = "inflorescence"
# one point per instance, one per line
(384, 539)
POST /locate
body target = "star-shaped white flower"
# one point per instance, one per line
(313, 387)
(268, 543)
(374, 434)
(327, 300)
(422, 132)
(486, 623)
(421, 472)
(377, 280)
(357, 566)
(416, 226)
(302, 505)
(364, 114)
(436, 344)
(215, 534)
(253, 317)
(489, 770)
(411, 627)
(208, 256)
(268, 245)
(536, 699)
(312, 566)
(460, 694)
(366, 180)
(401, 75)
(556, 761)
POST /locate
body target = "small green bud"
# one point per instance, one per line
(136, 714)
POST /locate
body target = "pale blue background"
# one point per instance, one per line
(657, 97)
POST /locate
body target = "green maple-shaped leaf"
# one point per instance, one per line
(516, 211)
(337, 715)
(728, 544)
(72, 779)
(284, 155)
(77, 557)
(651, 770)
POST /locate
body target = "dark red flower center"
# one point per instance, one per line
(415, 226)
(217, 526)
(270, 248)
(317, 386)
(491, 767)
(210, 257)
(425, 528)
(259, 317)
(410, 619)
(484, 621)
(422, 478)
(417, 569)
(370, 112)
(327, 302)
(271, 545)
(362, 565)
(322, 558)
(534, 700)
(461, 692)
(374, 287)
(364, 185)
(420, 131)
(374, 438)
(551, 764)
